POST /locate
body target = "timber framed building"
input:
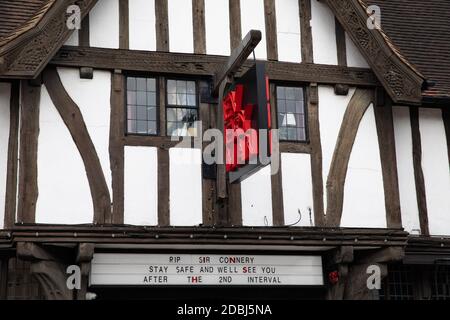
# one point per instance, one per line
(89, 175)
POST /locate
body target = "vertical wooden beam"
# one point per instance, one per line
(83, 33)
(162, 25)
(341, 44)
(198, 17)
(3, 277)
(276, 179)
(234, 204)
(271, 29)
(162, 107)
(316, 153)
(446, 119)
(235, 23)
(163, 187)
(386, 141)
(29, 132)
(306, 35)
(418, 172)
(116, 146)
(13, 154)
(124, 28)
(221, 217)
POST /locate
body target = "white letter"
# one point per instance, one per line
(74, 20)
(74, 280)
(374, 280)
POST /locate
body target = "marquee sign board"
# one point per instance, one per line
(247, 123)
(205, 270)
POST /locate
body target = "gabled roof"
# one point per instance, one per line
(421, 31)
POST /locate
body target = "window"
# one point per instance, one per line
(291, 113)
(440, 288)
(399, 284)
(142, 107)
(182, 108)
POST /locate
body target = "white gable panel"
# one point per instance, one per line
(185, 187)
(142, 25)
(323, 28)
(405, 169)
(297, 189)
(217, 24)
(331, 113)
(288, 30)
(5, 97)
(64, 193)
(256, 196)
(141, 186)
(436, 170)
(354, 56)
(104, 24)
(181, 34)
(93, 100)
(252, 17)
(364, 204)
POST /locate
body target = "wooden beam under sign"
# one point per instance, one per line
(237, 58)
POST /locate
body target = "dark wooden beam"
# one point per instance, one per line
(235, 23)
(418, 171)
(341, 44)
(294, 147)
(162, 25)
(221, 217)
(29, 132)
(124, 27)
(163, 187)
(234, 204)
(116, 147)
(271, 29)
(339, 165)
(207, 66)
(72, 117)
(198, 19)
(316, 153)
(237, 58)
(13, 157)
(83, 33)
(386, 141)
(306, 34)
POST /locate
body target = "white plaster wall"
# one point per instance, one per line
(5, 97)
(252, 17)
(405, 169)
(93, 99)
(297, 189)
(181, 34)
(354, 56)
(73, 39)
(217, 24)
(64, 194)
(436, 170)
(142, 25)
(288, 30)
(141, 186)
(256, 196)
(323, 30)
(331, 113)
(364, 204)
(185, 187)
(104, 24)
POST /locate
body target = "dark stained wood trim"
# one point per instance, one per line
(206, 65)
(198, 19)
(162, 107)
(340, 44)
(163, 187)
(124, 26)
(72, 117)
(235, 23)
(306, 34)
(29, 133)
(162, 25)
(3, 277)
(116, 147)
(234, 204)
(356, 109)
(316, 154)
(294, 147)
(221, 217)
(149, 141)
(83, 33)
(446, 119)
(13, 157)
(276, 179)
(386, 141)
(418, 172)
(271, 29)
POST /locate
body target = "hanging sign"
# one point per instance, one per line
(205, 270)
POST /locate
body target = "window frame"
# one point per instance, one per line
(304, 87)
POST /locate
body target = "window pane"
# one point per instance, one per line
(281, 105)
(141, 84)
(191, 100)
(172, 99)
(299, 107)
(141, 113)
(131, 126)
(301, 134)
(181, 87)
(141, 98)
(131, 83)
(131, 112)
(131, 97)
(290, 106)
(151, 99)
(171, 128)
(152, 127)
(171, 86)
(281, 93)
(291, 113)
(141, 127)
(290, 93)
(151, 113)
(191, 87)
(151, 85)
(181, 99)
(171, 114)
